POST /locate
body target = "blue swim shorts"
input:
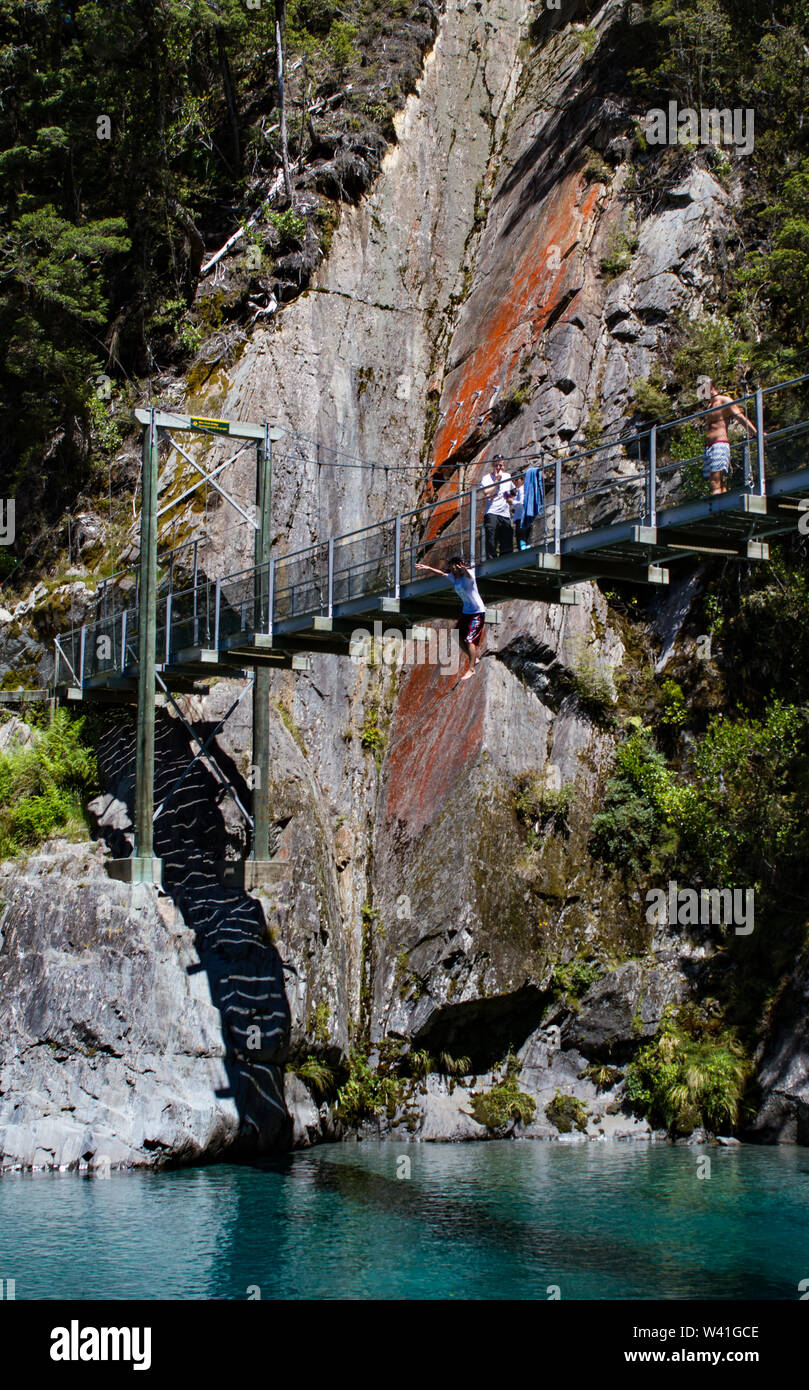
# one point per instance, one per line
(716, 460)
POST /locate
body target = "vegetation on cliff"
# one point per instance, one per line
(44, 784)
(135, 138)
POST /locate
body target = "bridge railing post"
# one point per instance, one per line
(761, 482)
(651, 479)
(270, 595)
(330, 589)
(397, 557)
(123, 640)
(82, 649)
(557, 506)
(196, 598)
(473, 525)
(168, 626)
(217, 606)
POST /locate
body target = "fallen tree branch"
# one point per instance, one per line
(275, 187)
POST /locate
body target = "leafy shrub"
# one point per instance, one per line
(575, 978)
(504, 1104)
(621, 247)
(597, 170)
(340, 46)
(42, 786)
(602, 1075)
(593, 687)
(631, 826)
(744, 808)
(289, 225)
(692, 1074)
(650, 399)
(317, 1074)
(372, 735)
(675, 710)
(539, 806)
(366, 1093)
(567, 1113)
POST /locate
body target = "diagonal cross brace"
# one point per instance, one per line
(195, 487)
(204, 751)
(208, 478)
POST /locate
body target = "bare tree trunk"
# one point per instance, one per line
(280, 25)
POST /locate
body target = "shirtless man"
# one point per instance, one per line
(716, 463)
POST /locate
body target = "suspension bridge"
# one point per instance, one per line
(650, 509)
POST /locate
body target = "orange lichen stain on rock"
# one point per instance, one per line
(436, 735)
(536, 288)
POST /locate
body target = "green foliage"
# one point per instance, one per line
(631, 828)
(744, 809)
(43, 785)
(132, 138)
(604, 1077)
(289, 225)
(317, 1023)
(420, 1064)
(340, 46)
(575, 978)
(373, 736)
(190, 337)
(366, 1093)
(503, 1104)
(621, 247)
(591, 682)
(781, 270)
(596, 169)
(448, 1065)
(567, 1113)
(594, 428)
(588, 38)
(709, 346)
(691, 1075)
(675, 710)
(651, 401)
(540, 807)
(317, 1074)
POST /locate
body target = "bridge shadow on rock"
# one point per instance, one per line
(244, 969)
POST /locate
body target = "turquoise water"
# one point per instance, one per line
(490, 1220)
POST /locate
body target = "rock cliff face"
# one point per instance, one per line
(461, 307)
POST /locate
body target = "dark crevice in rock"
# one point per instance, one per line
(484, 1030)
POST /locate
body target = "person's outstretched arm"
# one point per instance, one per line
(740, 415)
(432, 570)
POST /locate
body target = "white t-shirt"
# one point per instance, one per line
(466, 588)
(497, 505)
(517, 509)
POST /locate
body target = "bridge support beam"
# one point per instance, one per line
(142, 867)
(261, 677)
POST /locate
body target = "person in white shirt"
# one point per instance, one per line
(497, 513)
(472, 621)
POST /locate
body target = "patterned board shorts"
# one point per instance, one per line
(470, 627)
(716, 460)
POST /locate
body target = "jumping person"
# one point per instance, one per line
(472, 621)
(496, 515)
(716, 463)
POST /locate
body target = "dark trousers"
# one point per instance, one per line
(499, 536)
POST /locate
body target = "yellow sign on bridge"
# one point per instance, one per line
(199, 422)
